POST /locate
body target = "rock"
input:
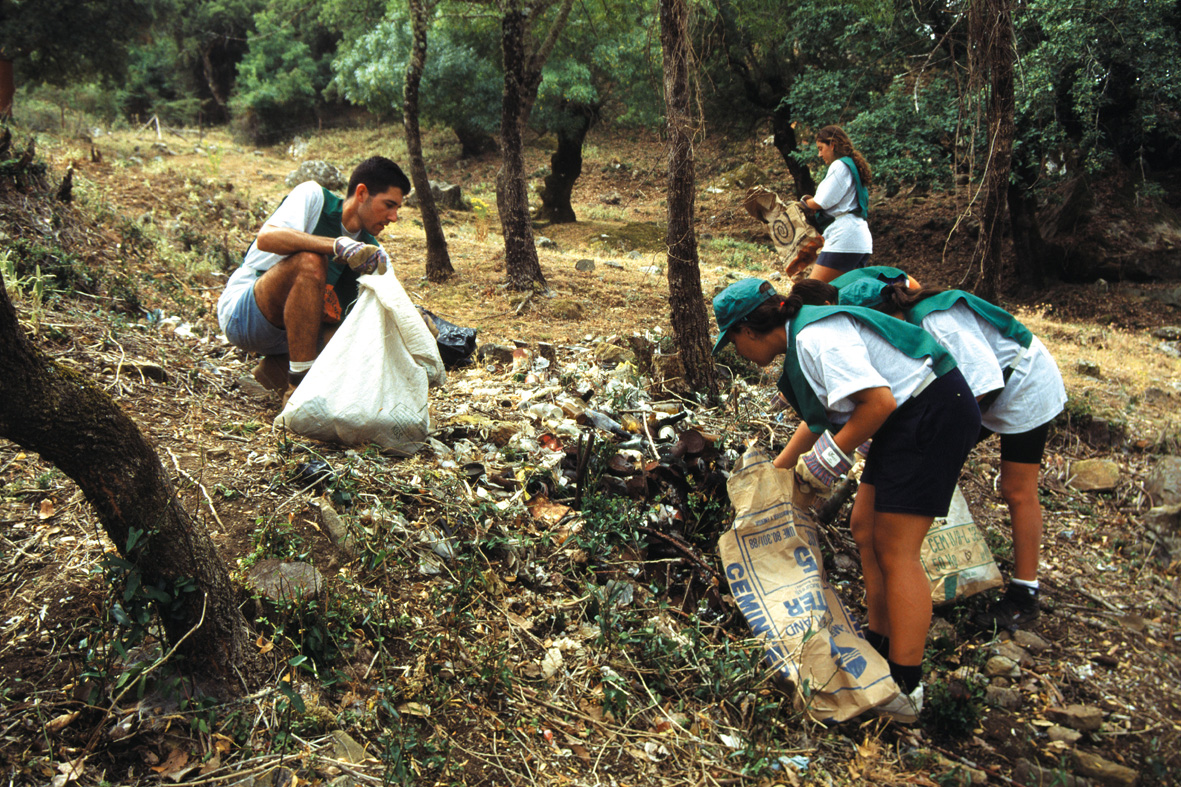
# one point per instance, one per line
(502, 432)
(634, 255)
(446, 195)
(613, 264)
(320, 171)
(1163, 525)
(1171, 349)
(610, 354)
(1030, 641)
(337, 531)
(1011, 650)
(545, 243)
(650, 270)
(1095, 767)
(248, 385)
(1088, 368)
(584, 265)
(497, 353)
(1154, 395)
(744, 177)
(1164, 482)
(1027, 772)
(1107, 427)
(1061, 734)
(279, 580)
(1170, 333)
(611, 198)
(1001, 666)
(1005, 698)
(1094, 475)
(346, 748)
(565, 309)
(1084, 718)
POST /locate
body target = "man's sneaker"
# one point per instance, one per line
(905, 708)
(1017, 608)
(271, 372)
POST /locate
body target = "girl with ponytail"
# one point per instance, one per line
(852, 374)
(843, 198)
(1020, 391)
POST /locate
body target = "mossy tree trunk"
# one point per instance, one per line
(686, 302)
(69, 421)
(566, 163)
(438, 260)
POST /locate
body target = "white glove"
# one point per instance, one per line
(362, 258)
(821, 467)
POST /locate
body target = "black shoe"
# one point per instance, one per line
(1017, 608)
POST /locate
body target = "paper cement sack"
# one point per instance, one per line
(956, 557)
(796, 241)
(773, 565)
(369, 385)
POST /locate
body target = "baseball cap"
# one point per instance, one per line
(733, 304)
(863, 292)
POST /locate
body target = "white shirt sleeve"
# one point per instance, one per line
(300, 211)
(833, 193)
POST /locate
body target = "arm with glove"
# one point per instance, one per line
(832, 455)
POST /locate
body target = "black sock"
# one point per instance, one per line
(1022, 594)
(906, 677)
(295, 378)
(880, 642)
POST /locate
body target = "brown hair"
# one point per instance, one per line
(777, 310)
(896, 297)
(843, 146)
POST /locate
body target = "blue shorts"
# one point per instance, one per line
(244, 324)
(916, 456)
(843, 261)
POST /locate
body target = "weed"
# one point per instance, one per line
(735, 253)
(953, 706)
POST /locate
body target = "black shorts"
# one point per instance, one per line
(917, 454)
(1023, 447)
(843, 261)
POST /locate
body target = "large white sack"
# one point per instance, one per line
(369, 385)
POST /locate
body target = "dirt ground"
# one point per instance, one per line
(436, 665)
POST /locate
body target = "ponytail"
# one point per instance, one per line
(896, 297)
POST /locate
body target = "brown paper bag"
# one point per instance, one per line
(796, 241)
(956, 557)
(773, 565)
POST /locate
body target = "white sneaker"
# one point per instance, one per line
(905, 708)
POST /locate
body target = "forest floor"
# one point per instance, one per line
(480, 628)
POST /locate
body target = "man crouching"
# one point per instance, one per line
(299, 276)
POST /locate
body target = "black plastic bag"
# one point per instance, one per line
(456, 344)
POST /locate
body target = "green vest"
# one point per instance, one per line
(862, 209)
(914, 342)
(994, 315)
(883, 273)
(330, 225)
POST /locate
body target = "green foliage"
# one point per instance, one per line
(279, 82)
(953, 707)
(155, 86)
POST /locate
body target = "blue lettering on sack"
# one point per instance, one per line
(849, 659)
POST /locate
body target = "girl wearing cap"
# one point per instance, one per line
(841, 196)
(852, 374)
(1020, 391)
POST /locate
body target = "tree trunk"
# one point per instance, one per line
(55, 411)
(7, 88)
(992, 65)
(473, 142)
(438, 261)
(566, 164)
(686, 302)
(785, 142)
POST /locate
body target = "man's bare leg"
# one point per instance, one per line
(291, 296)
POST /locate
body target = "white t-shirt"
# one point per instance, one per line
(837, 195)
(1035, 392)
(300, 211)
(840, 356)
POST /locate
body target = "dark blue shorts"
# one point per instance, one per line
(843, 261)
(916, 457)
(1025, 447)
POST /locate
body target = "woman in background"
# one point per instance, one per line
(841, 197)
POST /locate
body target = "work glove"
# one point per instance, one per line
(362, 258)
(862, 451)
(804, 202)
(823, 466)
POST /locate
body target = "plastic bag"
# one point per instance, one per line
(456, 344)
(370, 383)
(776, 575)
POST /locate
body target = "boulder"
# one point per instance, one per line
(446, 196)
(320, 171)
(279, 580)
(1094, 475)
(1084, 718)
(1164, 482)
(585, 265)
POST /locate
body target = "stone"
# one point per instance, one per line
(1011, 650)
(1107, 427)
(1095, 767)
(611, 354)
(497, 353)
(545, 243)
(565, 309)
(650, 270)
(1154, 395)
(1030, 641)
(278, 580)
(611, 198)
(584, 265)
(1060, 734)
(1088, 368)
(346, 748)
(320, 171)
(1005, 698)
(447, 195)
(1027, 772)
(744, 177)
(1170, 333)
(337, 530)
(1094, 475)
(1164, 482)
(614, 264)
(1001, 666)
(1084, 718)
(502, 432)
(1171, 349)
(634, 255)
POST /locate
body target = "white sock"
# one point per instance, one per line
(1025, 583)
(299, 367)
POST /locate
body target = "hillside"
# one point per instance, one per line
(476, 627)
